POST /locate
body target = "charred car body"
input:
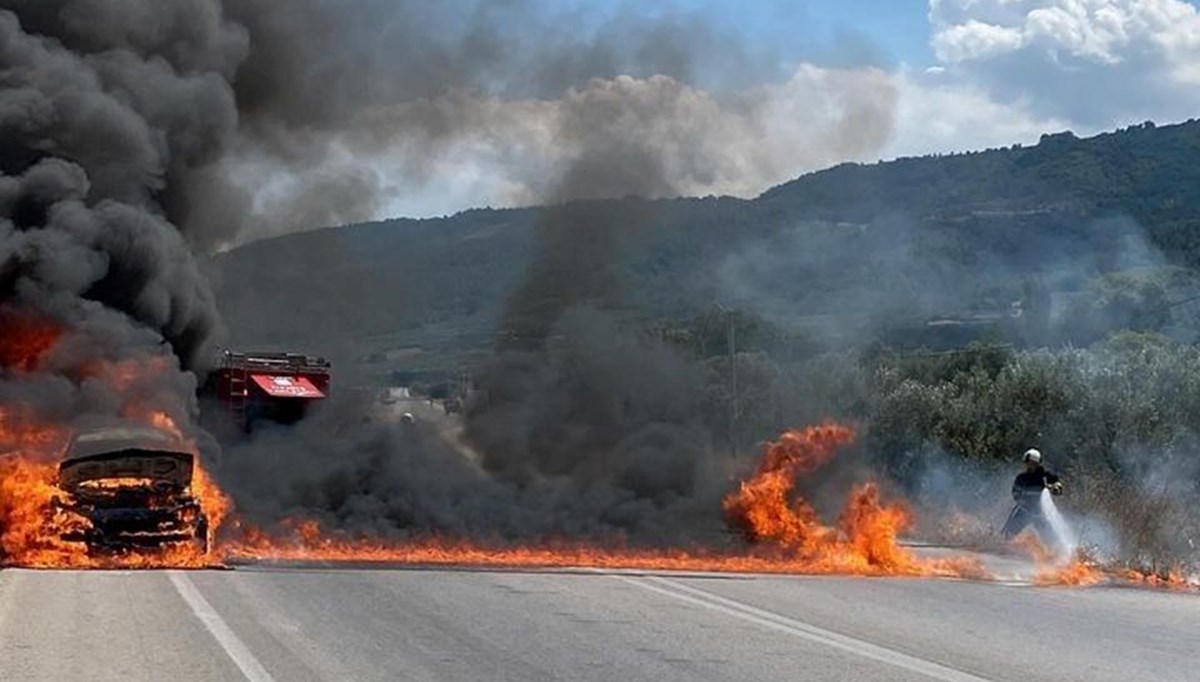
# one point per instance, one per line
(130, 490)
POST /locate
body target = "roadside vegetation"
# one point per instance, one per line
(1120, 420)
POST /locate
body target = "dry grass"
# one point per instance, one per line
(1156, 532)
(977, 529)
(1153, 534)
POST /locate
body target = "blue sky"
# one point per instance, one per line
(898, 29)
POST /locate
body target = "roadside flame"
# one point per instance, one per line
(1172, 578)
(768, 512)
(784, 537)
(762, 509)
(307, 541)
(1076, 570)
(1078, 573)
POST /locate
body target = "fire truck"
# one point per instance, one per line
(275, 387)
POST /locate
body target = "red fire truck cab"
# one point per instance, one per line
(277, 387)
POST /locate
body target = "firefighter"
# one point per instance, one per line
(1027, 494)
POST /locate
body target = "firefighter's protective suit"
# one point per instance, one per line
(1027, 493)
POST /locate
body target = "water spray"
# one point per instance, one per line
(1065, 536)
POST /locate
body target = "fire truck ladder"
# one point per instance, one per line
(238, 394)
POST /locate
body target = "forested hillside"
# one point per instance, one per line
(1109, 225)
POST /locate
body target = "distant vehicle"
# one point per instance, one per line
(130, 490)
(275, 387)
(391, 396)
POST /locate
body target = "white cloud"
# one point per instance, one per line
(938, 116)
(975, 40)
(1095, 63)
(1101, 31)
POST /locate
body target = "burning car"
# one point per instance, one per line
(130, 490)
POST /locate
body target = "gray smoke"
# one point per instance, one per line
(1042, 282)
(343, 106)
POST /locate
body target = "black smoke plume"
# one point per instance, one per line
(135, 132)
(103, 124)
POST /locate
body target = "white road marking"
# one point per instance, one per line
(237, 651)
(797, 628)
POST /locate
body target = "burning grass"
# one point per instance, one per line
(782, 532)
(864, 541)
(1075, 570)
(1171, 578)
(317, 545)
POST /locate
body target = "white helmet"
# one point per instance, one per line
(1033, 455)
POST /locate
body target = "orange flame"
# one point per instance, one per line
(32, 516)
(122, 375)
(761, 508)
(30, 531)
(21, 433)
(1078, 571)
(786, 538)
(1172, 578)
(767, 511)
(26, 340)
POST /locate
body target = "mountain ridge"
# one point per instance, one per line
(1026, 212)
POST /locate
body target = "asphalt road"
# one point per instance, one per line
(294, 624)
